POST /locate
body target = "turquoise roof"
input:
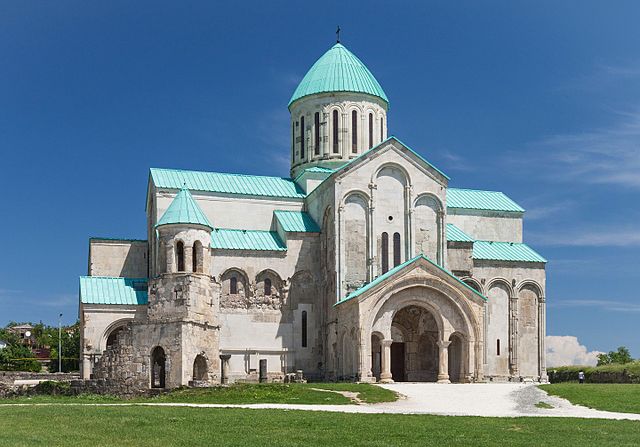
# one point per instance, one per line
(296, 221)
(396, 269)
(251, 185)
(228, 239)
(481, 200)
(338, 70)
(109, 290)
(505, 251)
(184, 210)
(455, 234)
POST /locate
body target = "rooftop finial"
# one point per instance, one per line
(338, 34)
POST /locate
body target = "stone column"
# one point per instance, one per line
(542, 331)
(188, 258)
(224, 367)
(442, 238)
(443, 363)
(513, 335)
(385, 375)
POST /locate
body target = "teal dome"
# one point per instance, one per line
(338, 70)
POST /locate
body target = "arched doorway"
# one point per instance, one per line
(158, 372)
(456, 370)
(414, 351)
(200, 372)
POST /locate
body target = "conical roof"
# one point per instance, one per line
(184, 210)
(338, 70)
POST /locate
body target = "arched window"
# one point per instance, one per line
(385, 252)
(304, 328)
(381, 129)
(293, 141)
(233, 285)
(267, 287)
(195, 256)
(335, 132)
(302, 137)
(354, 132)
(498, 347)
(180, 256)
(316, 133)
(370, 130)
(396, 250)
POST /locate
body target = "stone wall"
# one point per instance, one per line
(119, 258)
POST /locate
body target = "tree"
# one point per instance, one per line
(621, 356)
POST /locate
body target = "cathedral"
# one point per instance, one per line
(362, 265)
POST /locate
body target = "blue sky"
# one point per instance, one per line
(540, 100)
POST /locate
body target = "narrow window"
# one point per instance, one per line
(180, 255)
(498, 347)
(316, 139)
(302, 137)
(194, 257)
(304, 328)
(335, 132)
(381, 129)
(385, 252)
(354, 132)
(370, 130)
(293, 141)
(233, 286)
(267, 287)
(396, 249)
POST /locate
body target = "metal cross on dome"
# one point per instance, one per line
(338, 34)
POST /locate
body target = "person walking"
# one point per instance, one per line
(581, 376)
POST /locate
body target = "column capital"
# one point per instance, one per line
(386, 342)
(444, 344)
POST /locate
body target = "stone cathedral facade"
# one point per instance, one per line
(363, 265)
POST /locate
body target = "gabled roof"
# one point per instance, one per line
(338, 70)
(296, 221)
(219, 182)
(505, 251)
(382, 145)
(481, 200)
(255, 240)
(184, 210)
(455, 234)
(397, 269)
(110, 290)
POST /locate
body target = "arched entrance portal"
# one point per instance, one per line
(414, 351)
(158, 373)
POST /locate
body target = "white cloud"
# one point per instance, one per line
(610, 305)
(563, 350)
(623, 236)
(605, 155)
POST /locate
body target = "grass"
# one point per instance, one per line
(624, 398)
(544, 405)
(152, 426)
(297, 393)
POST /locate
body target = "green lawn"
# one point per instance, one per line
(71, 425)
(601, 396)
(243, 394)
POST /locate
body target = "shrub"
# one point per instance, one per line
(53, 388)
(612, 373)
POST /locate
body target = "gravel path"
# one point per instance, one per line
(490, 399)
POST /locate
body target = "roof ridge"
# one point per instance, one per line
(476, 190)
(223, 173)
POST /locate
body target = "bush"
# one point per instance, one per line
(612, 373)
(53, 388)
